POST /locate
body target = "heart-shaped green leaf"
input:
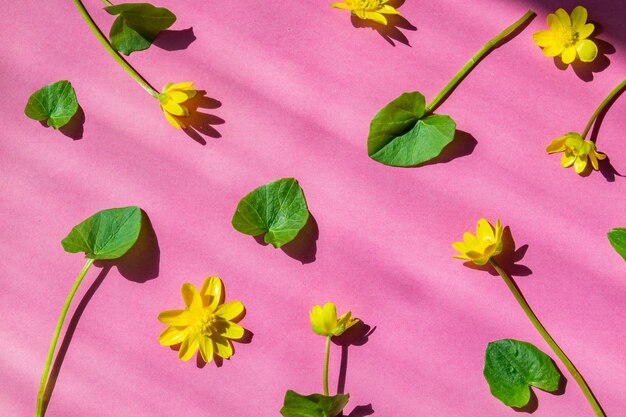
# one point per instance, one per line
(108, 234)
(617, 237)
(401, 135)
(277, 209)
(56, 103)
(315, 405)
(137, 25)
(511, 367)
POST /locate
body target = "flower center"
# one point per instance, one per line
(568, 37)
(206, 324)
(369, 5)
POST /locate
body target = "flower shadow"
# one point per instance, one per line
(586, 70)
(389, 32)
(218, 360)
(357, 335)
(508, 259)
(175, 40)
(201, 124)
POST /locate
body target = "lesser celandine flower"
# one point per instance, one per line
(206, 324)
(368, 9)
(480, 248)
(567, 36)
(325, 323)
(172, 99)
(576, 151)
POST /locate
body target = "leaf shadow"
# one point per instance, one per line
(304, 247)
(463, 144)
(175, 40)
(357, 335)
(391, 31)
(141, 262)
(533, 402)
(508, 259)
(75, 128)
(201, 124)
(67, 338)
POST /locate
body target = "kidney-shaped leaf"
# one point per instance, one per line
(315, 405)
(511, 367)
(277, 209)
(137, 25)
(617, 238)
(108, 234)
(56, 103)
(401, 135)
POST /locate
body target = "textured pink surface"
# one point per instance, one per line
(299, 85)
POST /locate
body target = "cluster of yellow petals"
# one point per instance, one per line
(567, 36)
(576, 151)
(368, 9)
(325, 323)
(480, 248)
(172, 99)
(206, 324)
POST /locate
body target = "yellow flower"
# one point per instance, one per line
(567, 36)
(480, 248)
(324, 320)
(368, 9)
(206, 324)
(576, 151)
(171, 100)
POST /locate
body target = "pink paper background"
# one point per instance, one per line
(298, 86)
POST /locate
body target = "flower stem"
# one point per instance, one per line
(107, 2)
(474, 60)
(601, 107)
(326, 360)
(107, 45)
(55, 338)
(549, 340)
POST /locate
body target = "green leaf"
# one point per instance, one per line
(511, 367)
(315, 405)
(108, 234)
(137, 25)
(401, 135)
(277, 209)
(617, 237)
(55, 103)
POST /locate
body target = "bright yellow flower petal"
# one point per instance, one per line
(587, 50)
(187, 85)
(192, 299)
(567, 159)
(594, 160)
(206, 349)
(484, 230)
(470, 240)
(172, 120)
(585, 31)
(544, 38)
(563, 18)
(480, 248)
(343, 6)
(554, 49)
(189, 347)
(579, 17)
(175, 108)
(178, 96)
(554, 23)
(376, 17)
(600, 155)
(324, 320)
(317, 320)
(212, 292)
(580, 163)
(569, 55)
(231, 311)
(499, 232)
(386, 9)
(329, 315)
(557, 145)
(176, 317)
(233, 331)
(173, 336)
(222, 347)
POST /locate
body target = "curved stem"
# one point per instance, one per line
(601, 107)
(55, 338)
(326, 360)
(549, 340)
(474, 60)
(105, 42)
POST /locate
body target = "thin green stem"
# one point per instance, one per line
(549, 340)
(107, 3)
(55, 338)
(326, 360)
(601, 107)
(474, 60)
(107, 45)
